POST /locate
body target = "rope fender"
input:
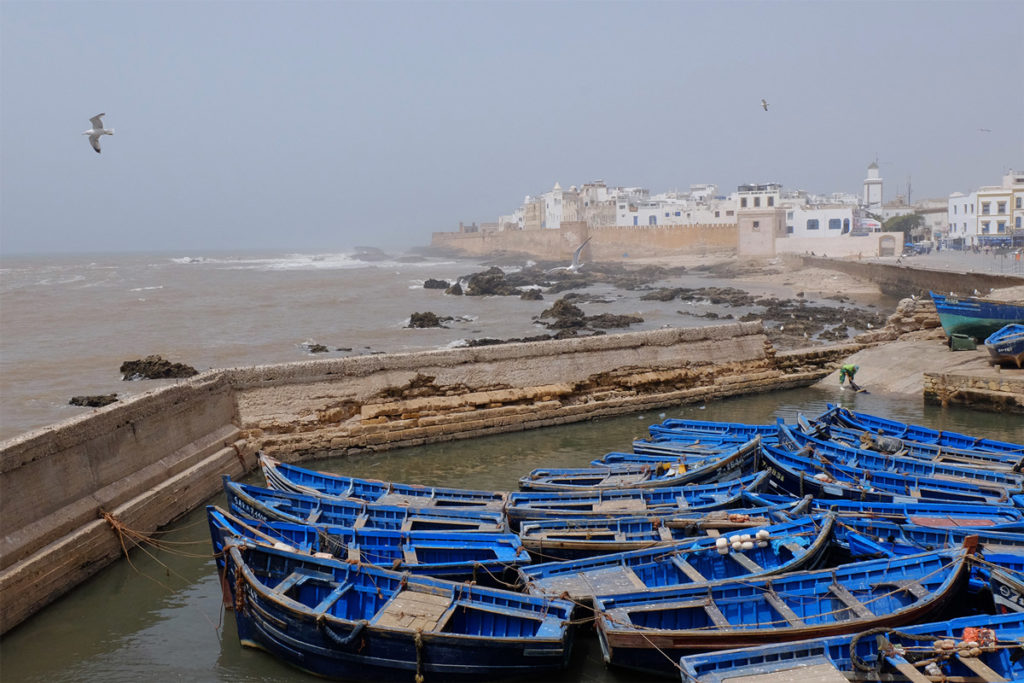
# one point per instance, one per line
(339, 640)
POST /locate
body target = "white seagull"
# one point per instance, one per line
(96, 131)
(764, 103)
(576, 265)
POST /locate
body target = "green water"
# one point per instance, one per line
(157, 617)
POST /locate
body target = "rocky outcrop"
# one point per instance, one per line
(432, 283)
(913, 315)
(97, 401)
(155, 367)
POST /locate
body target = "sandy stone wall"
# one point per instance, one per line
(999, 394)
(328, 407)
(608, 243)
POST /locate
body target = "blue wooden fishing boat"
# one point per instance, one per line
(645, 475)
(874, 537)
(1005, 462)
(650, 630)
(798, 441)
(911, 432)
(829, 660)
(673, 428)
(757, 551)
(658, 451)
(920, 512)
(569, 539)
(974, 316)
(794, 475)
(357, 622)
(537, 505)
(286, 477)
(283, 506)
(1003, 574)
(1007, 344)
(476, 556)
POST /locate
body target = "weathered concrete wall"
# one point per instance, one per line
(842, 246)
(608, 243)
(326, 407)
(901, 281)
(998, 394)
(143, 463)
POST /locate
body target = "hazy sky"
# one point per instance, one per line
(324, 125)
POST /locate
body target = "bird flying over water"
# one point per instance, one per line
(96, 131)
(576, 265)
(764, 104)
(984, 130)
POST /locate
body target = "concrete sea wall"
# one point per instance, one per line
(900, 280)
(998, 394)
(70, 493)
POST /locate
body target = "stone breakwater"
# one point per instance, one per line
(318, 409)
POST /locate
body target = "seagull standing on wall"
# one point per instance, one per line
(764, 104)
(576, 265)
(96, 131)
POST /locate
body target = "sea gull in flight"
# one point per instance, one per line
(764, 104)
(96, 131)
(576, 265)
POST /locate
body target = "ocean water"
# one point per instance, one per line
(68, 322)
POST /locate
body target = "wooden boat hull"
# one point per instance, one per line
(974, 316)
(796, 440)
(912, 432)
(650, 632)
(1007, 344)
(789, 546)
(267, 505)
(477, 556)
(794, 660)
(798, 476)
(921, 513)
(537, 505)
(647, 475)
(287, 477)
(344, 621)
(569, 539)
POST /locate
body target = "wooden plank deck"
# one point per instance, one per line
(413, 610)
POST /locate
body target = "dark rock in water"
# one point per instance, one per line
(155, 367)
(566, 315)
(426, 319)
(607, 320)
(345, 349)
(531, 295)
(454, 290)
(97, 401)
(370, 254)
(317, 348)
(491, 282)
(432, 283)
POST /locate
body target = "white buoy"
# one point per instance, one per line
(748, 545)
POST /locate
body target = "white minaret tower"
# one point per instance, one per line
(873, 188)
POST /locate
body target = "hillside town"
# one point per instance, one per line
(989, 216)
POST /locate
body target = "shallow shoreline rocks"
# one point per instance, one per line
(155, 367)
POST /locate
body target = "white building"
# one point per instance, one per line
(962, 219)
(992, 215)
(822, 221)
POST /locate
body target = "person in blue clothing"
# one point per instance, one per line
(848, 371)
